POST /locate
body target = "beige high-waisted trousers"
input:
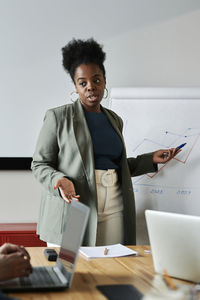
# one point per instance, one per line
(110, 208)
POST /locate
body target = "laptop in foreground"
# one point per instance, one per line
(59, 276)
(175, 244)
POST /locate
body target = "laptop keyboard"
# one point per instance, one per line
(41, 276)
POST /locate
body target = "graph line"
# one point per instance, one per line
(189, 151)
(155, 174)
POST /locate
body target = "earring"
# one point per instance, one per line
(74, 96)
(105, 93)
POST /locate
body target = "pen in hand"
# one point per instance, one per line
(177, 148)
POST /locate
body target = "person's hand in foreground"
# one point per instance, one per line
(67, 190)
(163, 156)
(14, 262)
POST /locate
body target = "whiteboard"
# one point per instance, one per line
(161, 118)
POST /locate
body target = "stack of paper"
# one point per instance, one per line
(116, 250)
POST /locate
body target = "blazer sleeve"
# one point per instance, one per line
(44, 164)
(142, 164)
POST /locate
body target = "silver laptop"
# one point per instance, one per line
(61, 275)
(175, 244)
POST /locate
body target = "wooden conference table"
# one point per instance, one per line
(137, 271)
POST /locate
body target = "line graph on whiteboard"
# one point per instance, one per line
(191, 136)
(150, 125)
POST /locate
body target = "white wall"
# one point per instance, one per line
(165, 53)
(162, 54)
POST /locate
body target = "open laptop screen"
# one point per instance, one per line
(175, 243)
(73, 235)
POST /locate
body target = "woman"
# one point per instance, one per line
(81, 154)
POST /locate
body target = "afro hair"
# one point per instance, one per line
(78, 52)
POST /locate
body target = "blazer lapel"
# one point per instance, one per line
(83, 140)
(112, 121)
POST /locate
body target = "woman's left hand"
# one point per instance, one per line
(163, 156)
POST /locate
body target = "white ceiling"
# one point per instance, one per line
(102, 19)
(32, 28)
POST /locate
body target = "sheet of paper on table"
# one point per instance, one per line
(116, 250)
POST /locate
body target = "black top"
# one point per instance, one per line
(107, 144)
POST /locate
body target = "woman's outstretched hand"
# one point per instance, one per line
(163, 156)
(66, 188)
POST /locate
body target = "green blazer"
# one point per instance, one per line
(64, 148)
